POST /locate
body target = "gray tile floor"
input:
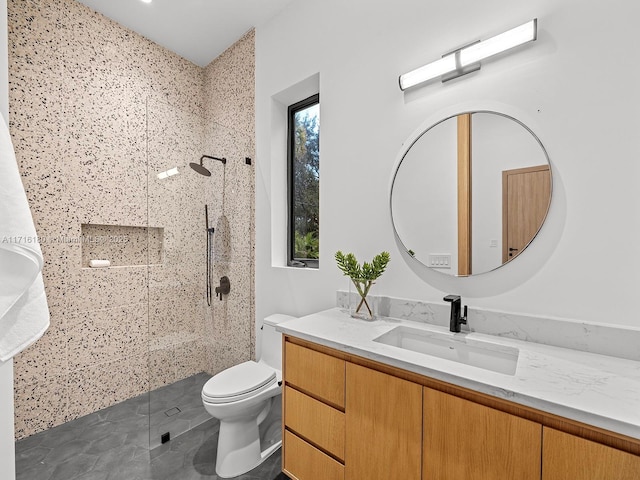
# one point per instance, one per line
(113, 444)
(177, 408)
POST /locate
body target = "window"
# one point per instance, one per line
(304, 182)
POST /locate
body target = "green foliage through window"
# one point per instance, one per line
(306, 246)
(304, 180)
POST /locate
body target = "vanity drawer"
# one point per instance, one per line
(315, 373)
(318, 423)
(304, 462)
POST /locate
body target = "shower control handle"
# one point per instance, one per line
(224, 288)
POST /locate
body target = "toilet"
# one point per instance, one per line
(247, 399)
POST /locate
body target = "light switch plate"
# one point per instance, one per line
(440, 260)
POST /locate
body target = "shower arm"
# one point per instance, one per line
(223, 160)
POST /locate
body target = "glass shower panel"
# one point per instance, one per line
(176, 200)
(230, 328)
(189, 340)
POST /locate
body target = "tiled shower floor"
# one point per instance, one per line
(176, 408)
(113, 444)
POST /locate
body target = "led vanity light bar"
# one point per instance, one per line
(467, 59)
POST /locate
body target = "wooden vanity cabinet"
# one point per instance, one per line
(313, 412)
(346, 421)
(467, 441)
(350, 418)
(384, 426)
(568, 457)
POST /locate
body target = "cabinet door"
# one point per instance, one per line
(467, 441)
(567, 457)
(383, 426)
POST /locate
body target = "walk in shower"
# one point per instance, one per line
(105, 124)
(192, 334)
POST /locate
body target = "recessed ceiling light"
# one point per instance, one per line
(147, 1)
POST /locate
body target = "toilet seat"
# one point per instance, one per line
(238, 382)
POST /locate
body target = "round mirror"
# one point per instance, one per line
(471, 193)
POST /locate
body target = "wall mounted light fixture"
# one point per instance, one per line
(467, 59)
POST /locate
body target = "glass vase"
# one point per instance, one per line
(363, 304)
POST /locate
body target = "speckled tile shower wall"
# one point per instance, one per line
(85, 97)
(230, 132)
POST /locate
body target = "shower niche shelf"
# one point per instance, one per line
(122, 245)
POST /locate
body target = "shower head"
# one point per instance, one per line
(198, 167)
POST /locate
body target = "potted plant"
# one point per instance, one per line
(363, 277)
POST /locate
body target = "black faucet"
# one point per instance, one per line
(456, 320)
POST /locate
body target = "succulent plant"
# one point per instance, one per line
(363, 276)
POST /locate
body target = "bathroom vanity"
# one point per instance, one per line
(364, 400)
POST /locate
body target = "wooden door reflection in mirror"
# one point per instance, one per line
(525, 200)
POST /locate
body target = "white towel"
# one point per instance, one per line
(24, 313)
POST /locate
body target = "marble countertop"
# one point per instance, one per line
(598, 390)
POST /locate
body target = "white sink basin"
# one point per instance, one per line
(458, 348)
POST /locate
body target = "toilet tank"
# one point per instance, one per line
(271, 343)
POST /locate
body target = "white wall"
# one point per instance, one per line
(7, 455)
(576, 88)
